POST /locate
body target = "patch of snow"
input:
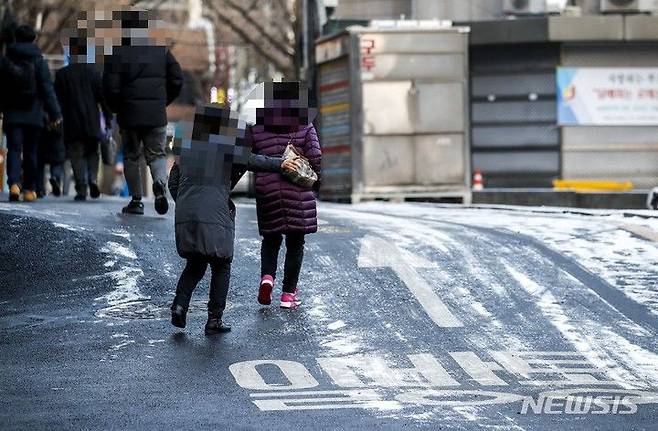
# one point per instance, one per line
(69, 227)
(336, 325)
(116, 249)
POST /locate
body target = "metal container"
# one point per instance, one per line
(393, 105)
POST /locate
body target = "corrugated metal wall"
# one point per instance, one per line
(334, 130)
(515, 141)
(615, 153)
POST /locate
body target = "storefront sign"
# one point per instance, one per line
(607, 96)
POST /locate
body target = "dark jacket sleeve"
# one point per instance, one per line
(112, 83)
(47, 90)
(97, 85)
(174, 78)
(174, 178)
(59, 89)
(313, 152)
(260, 163)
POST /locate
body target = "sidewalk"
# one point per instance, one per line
(632, 200)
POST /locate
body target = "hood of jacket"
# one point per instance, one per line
(23, 50)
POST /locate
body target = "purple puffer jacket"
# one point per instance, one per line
(282, 206)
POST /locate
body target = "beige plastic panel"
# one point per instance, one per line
(448, 67)
(388, 108)
(397, 108)
(388, 160)
(440, 108)
(409, 43)
(439, 159)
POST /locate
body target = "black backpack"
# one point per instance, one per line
(19, 83)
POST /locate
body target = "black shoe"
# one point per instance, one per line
(57, 189)
(134, 207)
(80, 198)
(41, 194)
(161, 204)
(178, 316)
(94, 192)
(215, 326)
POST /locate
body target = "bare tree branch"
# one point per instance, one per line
(281, 46)
(251, 40)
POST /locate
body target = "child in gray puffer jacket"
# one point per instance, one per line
(210, 162)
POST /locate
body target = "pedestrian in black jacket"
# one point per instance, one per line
(51, 152)
(26, 90)
(139, 82)
(80, 93)
(211, 162)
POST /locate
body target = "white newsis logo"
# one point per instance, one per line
(588, 401)
(458, 379)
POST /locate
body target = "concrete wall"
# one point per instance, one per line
(372, 9)
(616, 153)
(457, 10)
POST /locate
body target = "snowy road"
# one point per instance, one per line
(415, 316)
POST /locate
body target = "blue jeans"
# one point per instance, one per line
(22, 141)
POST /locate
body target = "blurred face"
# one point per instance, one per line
(285, 107)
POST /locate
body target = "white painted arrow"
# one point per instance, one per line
(377, 253)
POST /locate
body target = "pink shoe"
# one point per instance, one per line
(265, 290)
(290, 300)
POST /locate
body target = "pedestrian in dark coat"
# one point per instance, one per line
(139, 82)
(284, 208)
(210, 165)
(23, 110)
(79, 90)
(51, 152)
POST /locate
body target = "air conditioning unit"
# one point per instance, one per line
(629, 6)
(534, 7)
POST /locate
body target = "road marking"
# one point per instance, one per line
(641, 231)
(247, 376)
(377, 253)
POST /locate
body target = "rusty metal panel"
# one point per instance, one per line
(335, 126)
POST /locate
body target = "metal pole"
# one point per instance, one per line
(305, 36)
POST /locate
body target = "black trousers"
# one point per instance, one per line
(85, 156)
(192, 275)
(269, 255)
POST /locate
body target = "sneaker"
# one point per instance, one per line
(178, 316)
(215, 325)
(134, 207)
(161, 204)
(290, 300)
(54, 184)
(14, 193)
(94, 191)
(265, 290)
(29, 196)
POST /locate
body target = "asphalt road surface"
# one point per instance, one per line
(415, 316)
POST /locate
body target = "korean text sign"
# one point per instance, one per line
(607, 96)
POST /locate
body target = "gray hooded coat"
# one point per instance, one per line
(205, 214)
